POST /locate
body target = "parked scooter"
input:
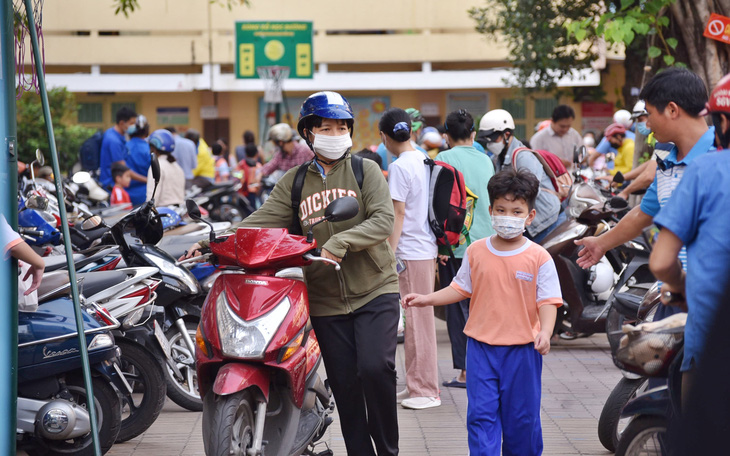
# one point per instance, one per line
(222, 201)
(655, 352)
(257, 354)
(584, 291)
(179, 294)
(52, 416)
(626, 311)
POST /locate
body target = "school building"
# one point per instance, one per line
(175, 62)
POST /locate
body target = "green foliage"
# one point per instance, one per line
(128, 6)
(540, 51)
(621, 24)
(32, 127)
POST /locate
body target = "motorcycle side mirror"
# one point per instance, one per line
(338, 210)
(193, 210)
(81, 177)
(618, 203)
(39, 157)
(579, 154)
(341, 209)
(194, 213)
(619, 178)
(155, 166)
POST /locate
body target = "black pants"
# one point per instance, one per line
(358, 350)
(456, 315)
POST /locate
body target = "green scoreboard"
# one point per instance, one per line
(284, 44)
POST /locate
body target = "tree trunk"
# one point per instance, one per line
(708, 58)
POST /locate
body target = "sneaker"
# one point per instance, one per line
(400, 397)
(419, 403)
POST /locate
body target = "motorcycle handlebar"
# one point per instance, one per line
(310, 257)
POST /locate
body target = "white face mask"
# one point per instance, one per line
(508, 227)
(332, 147)
(495, 147)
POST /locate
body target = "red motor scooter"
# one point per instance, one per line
(257, 355)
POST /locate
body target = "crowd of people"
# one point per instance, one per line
(499, 286)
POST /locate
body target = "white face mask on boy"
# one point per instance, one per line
(508, 227)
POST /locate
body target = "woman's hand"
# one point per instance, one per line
(193, 251)
(326, 254)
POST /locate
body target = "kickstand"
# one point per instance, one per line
(312, 451)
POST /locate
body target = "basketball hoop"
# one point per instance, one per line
(273, 77)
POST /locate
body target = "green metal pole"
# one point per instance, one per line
(64, 226)
(8, 207)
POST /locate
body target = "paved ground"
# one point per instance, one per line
(577, 377)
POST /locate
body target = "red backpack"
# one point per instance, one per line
(447, 200)
(553, 167)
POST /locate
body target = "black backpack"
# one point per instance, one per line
(90, 152)
(298, 184)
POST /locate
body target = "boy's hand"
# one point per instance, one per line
(414, 300)
(542, 343)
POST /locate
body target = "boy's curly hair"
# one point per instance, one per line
(521, 184)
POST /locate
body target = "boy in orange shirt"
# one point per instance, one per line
(515, 293)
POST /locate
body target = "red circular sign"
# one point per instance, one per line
(715, 28)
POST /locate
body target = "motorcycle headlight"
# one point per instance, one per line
(179, 273)
(247, 339)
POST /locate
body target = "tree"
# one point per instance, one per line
(128, 6)
(541, 51)
(32, 127)
(673, 29)
(654, 33)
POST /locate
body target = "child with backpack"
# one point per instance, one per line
(415, 250)
(515, 292)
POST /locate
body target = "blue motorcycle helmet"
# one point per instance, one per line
(163, 141)
(169, 218)
(328, 105)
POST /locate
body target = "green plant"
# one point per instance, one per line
(32, 127)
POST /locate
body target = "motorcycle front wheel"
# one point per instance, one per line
(108, 414)
(610, 426)
(228, 424)
(144, 374)
(183, 392)
(644, 436)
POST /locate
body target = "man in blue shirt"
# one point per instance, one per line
(674, 100)
(696, 217)
(113, 148)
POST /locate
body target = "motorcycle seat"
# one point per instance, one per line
(627, 304)
(56, 262)
(98, 281)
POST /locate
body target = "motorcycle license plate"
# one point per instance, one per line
(164, 343)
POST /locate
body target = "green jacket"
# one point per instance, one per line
(368, 262)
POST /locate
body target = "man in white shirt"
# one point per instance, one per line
(560, 138)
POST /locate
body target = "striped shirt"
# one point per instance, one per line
(665, 182)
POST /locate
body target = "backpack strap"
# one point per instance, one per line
(298, 185)
(296, 196)
(357, 169)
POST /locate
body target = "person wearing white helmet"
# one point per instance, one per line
(559, 138)
(290, 153)
(496, 129)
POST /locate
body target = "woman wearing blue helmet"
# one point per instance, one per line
(171, 188)
(354, 311)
